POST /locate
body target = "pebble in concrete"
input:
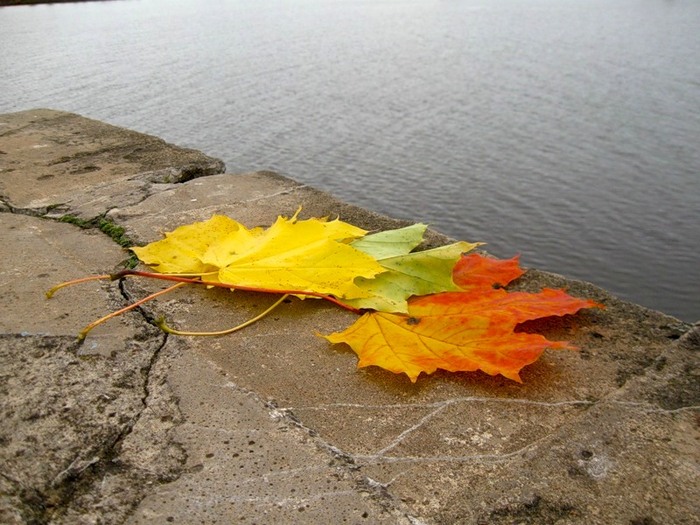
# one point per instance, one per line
(274, 425)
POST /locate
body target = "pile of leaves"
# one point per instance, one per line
(421, 310)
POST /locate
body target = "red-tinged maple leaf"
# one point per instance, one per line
(459, 331)
(476, 270)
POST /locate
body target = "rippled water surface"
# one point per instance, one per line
(564, 130)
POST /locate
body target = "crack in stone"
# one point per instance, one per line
(40, 212)
(439, 405)
(476, 458)
(381, 455)
(346, 462)
(156, 353)
(79, 479)
(339, 458)
(653, 409)
(71, 484)
(446, 403)
(399, 439)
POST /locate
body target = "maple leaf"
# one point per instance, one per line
(301, 255)
(476, 270)
(183, 250)
(459, 331)
(391, 243)
(418, 273)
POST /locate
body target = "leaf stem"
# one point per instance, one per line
(218, 284)
(84, 332)
(56, 288)
(163, 326)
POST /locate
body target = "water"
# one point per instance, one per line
(564, 130)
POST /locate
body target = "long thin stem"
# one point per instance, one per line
(218, 284)
(84, 332)
(163, 326)
(56, 288)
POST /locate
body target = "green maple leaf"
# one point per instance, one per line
(391, 243)
(408, 274)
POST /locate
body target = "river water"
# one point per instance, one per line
(567, 131)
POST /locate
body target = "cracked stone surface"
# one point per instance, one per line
(272, 424)
(244, 468)
(68, 409)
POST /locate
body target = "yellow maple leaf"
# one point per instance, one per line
(294, 255)
(183, 250)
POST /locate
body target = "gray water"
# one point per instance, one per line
(563, 130)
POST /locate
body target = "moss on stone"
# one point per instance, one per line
(110, 228)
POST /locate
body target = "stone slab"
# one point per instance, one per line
(459, 448)
(273, 424)
(246, 464)
(45, 253)
(67, 409)
(53, 161)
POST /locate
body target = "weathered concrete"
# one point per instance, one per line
(61, 162)
(272, 424)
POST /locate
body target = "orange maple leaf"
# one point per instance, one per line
(462, 331)
(476, 270)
